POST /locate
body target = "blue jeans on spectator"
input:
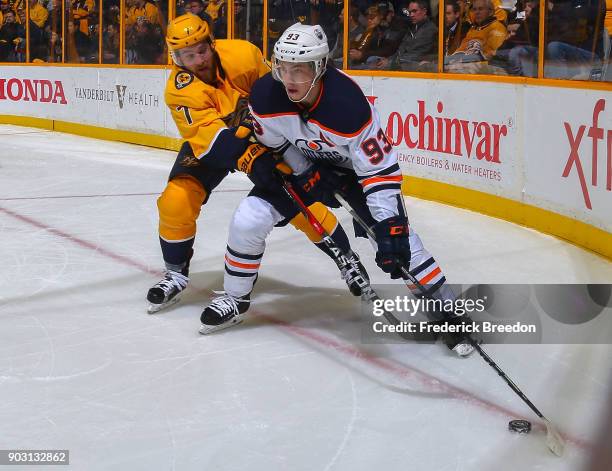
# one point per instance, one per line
(566, 61)
(523, 60)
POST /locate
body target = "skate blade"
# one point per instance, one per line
(153, 308)
(209, 329)
(463, 349)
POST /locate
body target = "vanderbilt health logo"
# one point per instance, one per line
(122, 95)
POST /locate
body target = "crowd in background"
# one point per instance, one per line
(480, 36)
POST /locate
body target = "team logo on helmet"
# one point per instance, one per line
(319, 34)
(183, 79)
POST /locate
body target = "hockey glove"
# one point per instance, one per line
(393, 245)
(260, 165)
(319, 184)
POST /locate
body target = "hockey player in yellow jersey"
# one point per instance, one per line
(207, 94)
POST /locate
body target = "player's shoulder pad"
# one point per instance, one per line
(236, 53)
(268, 97)
(184, 89)
(343, 108)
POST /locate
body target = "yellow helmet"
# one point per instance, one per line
(186, 30)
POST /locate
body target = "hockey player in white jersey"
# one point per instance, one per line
(330, 135)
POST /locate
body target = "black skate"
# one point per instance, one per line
(224, 311)
(166, 292)
(354, 273)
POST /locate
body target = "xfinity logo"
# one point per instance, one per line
(596, 133)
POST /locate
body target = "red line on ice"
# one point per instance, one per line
(81, 242)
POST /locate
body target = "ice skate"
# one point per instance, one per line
(224, 311)
(166, 292)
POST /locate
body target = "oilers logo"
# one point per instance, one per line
(320, 149)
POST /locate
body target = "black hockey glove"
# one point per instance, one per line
(393, 245)
(318, 183)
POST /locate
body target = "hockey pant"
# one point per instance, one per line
(189, 186)
(252, 222)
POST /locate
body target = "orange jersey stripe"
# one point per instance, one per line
(274, 115)
(247, 266)
(341, 134)
(431, 276)
(372, 180)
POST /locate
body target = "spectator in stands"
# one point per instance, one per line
(220, 24)
(4, 7)
(455, 27)
(324, 13)
(282, 14)
(71, 54)
(355, 29)
(54, 22)
(110, 44)
(213, 9)
(82, 16)
(112, 14)
(519, 53)
(394, 28)
(419, 47)
(38, 14)
(498, 11)
(55, 47)
(147, 42)
(575, 39)
(196, 7)
(142, 9)
(240, 24)
(11, 35)
(369, 40)
(81, 10)
(38, 19)
(21, 16)
(483, 39)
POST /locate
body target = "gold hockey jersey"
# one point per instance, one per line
(205, 113)
(490, 36)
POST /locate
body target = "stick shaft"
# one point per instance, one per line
(423, 290)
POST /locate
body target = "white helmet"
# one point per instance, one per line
(302, 43)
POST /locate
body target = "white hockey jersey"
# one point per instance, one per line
(341, 129)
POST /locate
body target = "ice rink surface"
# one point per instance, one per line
(84, 367)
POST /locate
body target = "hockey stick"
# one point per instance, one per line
(368, 293)
(554, 441)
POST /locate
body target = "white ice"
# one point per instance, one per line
(84, 368)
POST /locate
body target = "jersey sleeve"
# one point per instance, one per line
(210, 139)
(270, 137)
(375, 163)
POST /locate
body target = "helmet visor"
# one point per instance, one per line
(294, 72)
(192, 57)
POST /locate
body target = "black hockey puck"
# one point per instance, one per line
(519, 426)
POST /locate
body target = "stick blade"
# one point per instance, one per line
(554, 440)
